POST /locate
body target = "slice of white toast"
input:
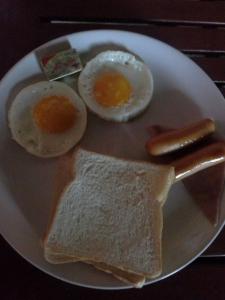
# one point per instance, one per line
(110, 214)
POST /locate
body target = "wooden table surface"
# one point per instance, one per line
(197, 28)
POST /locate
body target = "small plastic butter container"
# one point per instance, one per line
(61, 64)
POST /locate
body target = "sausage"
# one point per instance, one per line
(199, 160)
(176, 139)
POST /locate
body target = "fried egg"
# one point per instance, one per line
(116, 86)
(47, 118)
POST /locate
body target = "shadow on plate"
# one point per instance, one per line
(96, 49)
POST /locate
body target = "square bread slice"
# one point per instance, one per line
(110, 213)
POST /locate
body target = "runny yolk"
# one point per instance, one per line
(54, 114)
(112, 89)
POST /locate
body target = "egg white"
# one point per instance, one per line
(27, 134)
(137, 73)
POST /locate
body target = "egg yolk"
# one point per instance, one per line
(112, 89)
(54, 114)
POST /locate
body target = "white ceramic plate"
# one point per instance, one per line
(182, 93)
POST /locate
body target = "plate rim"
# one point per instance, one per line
(113, 31)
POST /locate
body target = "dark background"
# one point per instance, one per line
(195, 27)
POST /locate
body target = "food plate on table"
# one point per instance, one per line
(182, 93)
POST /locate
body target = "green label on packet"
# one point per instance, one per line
(61, 64)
